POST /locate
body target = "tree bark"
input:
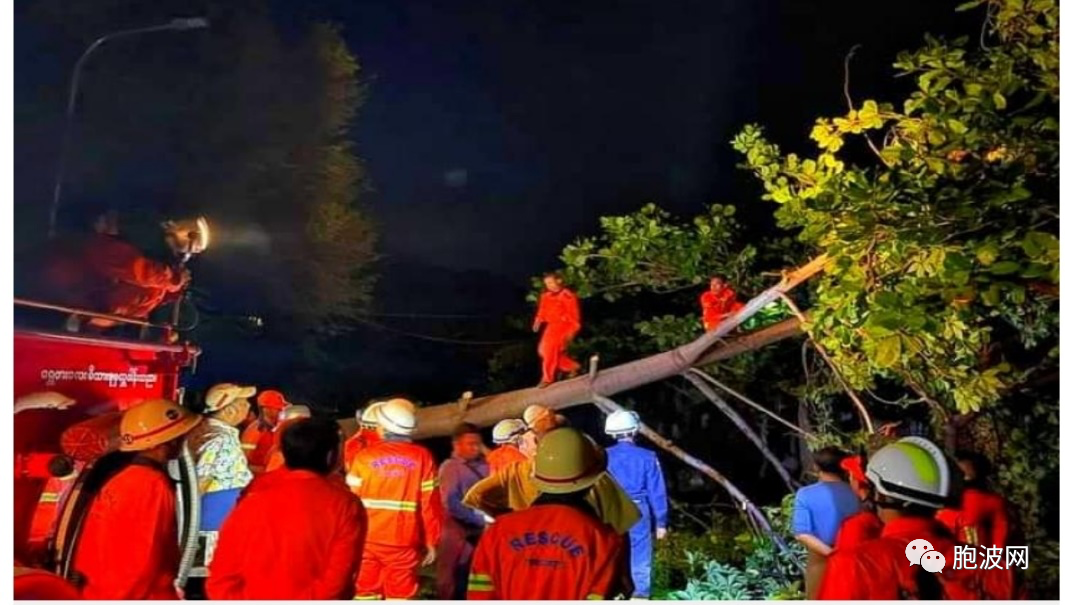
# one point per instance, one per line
(741, 424)
(439, 420)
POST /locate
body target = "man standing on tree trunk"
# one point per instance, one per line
(560, 309)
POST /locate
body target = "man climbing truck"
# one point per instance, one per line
(560, 310)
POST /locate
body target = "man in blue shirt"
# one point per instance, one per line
(462, 525)
(819, 510)
(638, 472)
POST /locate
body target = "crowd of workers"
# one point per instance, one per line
(859, 518)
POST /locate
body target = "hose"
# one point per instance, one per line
(190, 527)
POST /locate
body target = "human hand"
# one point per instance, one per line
(660, 533)
(536, 326)
(430, 557)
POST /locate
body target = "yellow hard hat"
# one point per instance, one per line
(221, 395)
(153, 422)
(567, 461)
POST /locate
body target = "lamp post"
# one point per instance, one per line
(173, 25)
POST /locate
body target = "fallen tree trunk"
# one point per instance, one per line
(440, 420)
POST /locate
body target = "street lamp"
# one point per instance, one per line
(173, 25)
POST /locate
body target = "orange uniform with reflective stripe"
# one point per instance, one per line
(128, 548)
(362, 439)
(294, 535)
(502, 456)
(546, 552)
(983, 520)
(396, 481)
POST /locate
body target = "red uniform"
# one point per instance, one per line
(294, 535)
(128, 548)
(562, 314)
(717, 305)
(502, 456)
(983, 520)
(858, 529)
(397, 483)
(362, 439)
(546, 552)
(39, 585)
(275, 459)
(257, 440)
(878, 569)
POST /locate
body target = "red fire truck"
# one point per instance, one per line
(57, 451)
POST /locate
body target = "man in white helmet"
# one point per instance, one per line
(396, 480)
(637, 471)
(507, 435)
(365, 436)
(911, 481)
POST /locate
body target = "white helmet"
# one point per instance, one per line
(533, 413)
(913, 469)
(368, 417)
(396, 416)
(621, 423)
(292, 412)
(507, 431)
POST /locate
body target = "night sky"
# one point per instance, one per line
(495, 133)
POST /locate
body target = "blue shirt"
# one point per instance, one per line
(637, 471)
(457, 476)
(821, 508)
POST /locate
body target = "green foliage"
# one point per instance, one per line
(951, 221)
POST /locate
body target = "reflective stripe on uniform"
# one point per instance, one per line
(430, 485)
(480, 582)
(594, 597)
(367, 597)
(49, 498)
(396, 505)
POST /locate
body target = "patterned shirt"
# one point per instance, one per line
(220, 460)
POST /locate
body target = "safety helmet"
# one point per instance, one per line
(45, 399)
(221, 395)
(913, 469)
(273, 400)
(291, 412)
(567, 461)
(152, 423)
(508, 430)
(620, 423)
(534, 413)
(396, 416)
(368, 417)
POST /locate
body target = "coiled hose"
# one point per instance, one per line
(189, 529)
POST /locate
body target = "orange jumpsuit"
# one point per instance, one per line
(715, 306)
(396, 481)
(139, 284)
(878, 569)
(546, 552)
(857, 529)
(362, 439)
(983, 520)
(128, 548)
(562, 314)
(294, 535)
(257, 441)
(503, 456)
(275, 459)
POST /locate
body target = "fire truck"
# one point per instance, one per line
(58, 452)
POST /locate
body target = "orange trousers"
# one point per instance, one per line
(553, 350)
(387, 572)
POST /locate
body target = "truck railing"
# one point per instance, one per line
(166, 329)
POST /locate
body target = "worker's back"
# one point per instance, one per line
(293, 535)
(396, 481)
(632, 467)
(547, 552)
(503, 456)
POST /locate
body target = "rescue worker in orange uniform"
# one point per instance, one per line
(911, 481)
(295, 534)
(396, 480)
(364, 437)
(559, 308)
(288, 417)
(258, 437)
(556, 549)
(506, 434)
(718, 303)
(982, 519)
(864, 525)
(128, 548)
